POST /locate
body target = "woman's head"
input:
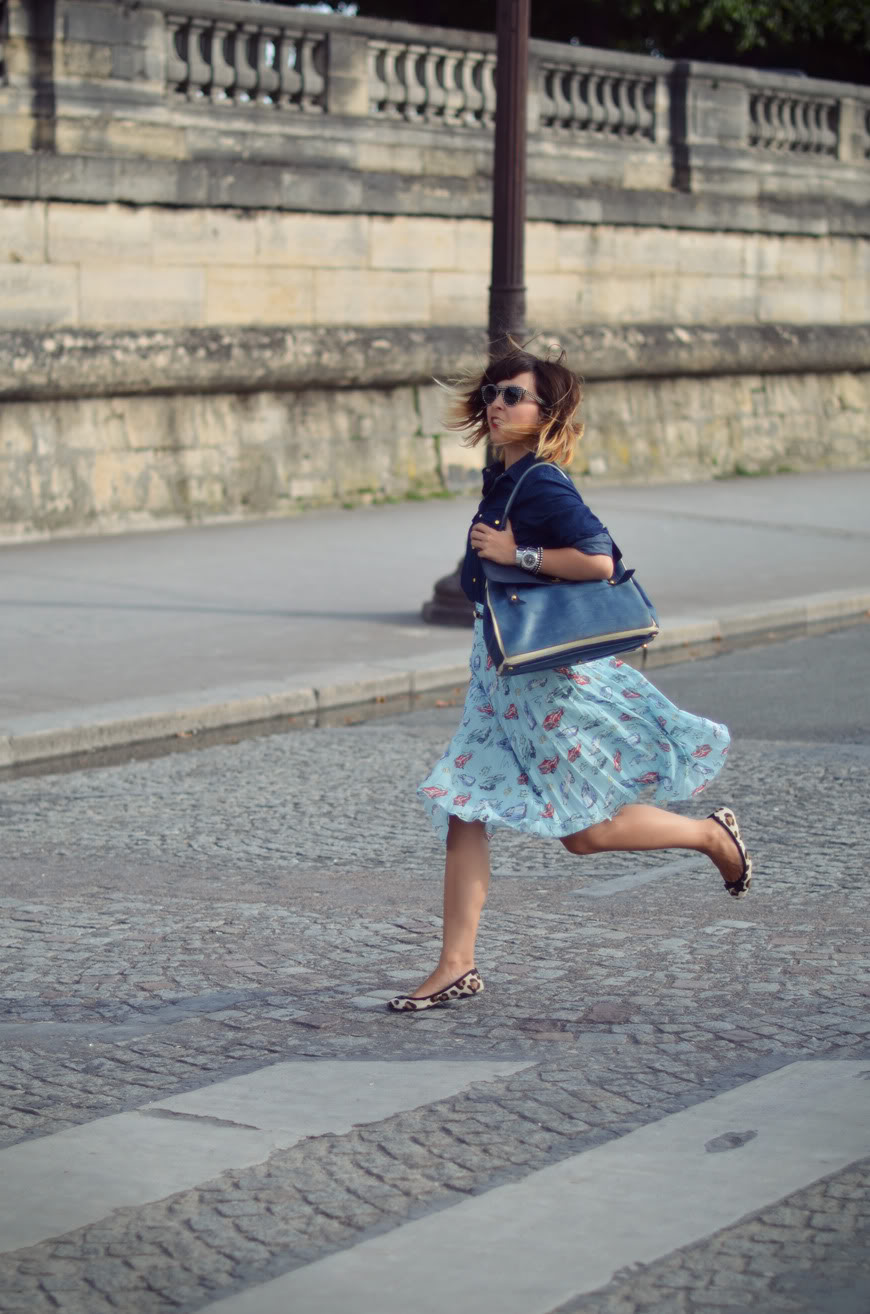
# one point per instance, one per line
(521, 398)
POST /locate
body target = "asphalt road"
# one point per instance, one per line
(201, 1093)
(815, 690)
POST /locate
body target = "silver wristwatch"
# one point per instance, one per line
(529, 558)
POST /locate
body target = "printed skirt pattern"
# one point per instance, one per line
(553, 752)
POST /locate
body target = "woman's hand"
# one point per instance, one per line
(494, 544)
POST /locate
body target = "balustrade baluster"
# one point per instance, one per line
(408, 68)
(245, 63)
(546, 104)
(487, 82)
(452, 89)
(376, 86)
(624, 93)
(472, 110)
(221, 70)
(289, 77)
(562, 106)
(597, 109)
(268, 80)
(578, 111)
(831, 129)
(436, 96)
(311, 55)
(177, 70)
(392, 85)
(199, 67)
(645, 101)
(611, 105)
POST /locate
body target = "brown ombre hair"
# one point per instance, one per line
(557, 432)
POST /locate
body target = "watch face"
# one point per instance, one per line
(529, 558)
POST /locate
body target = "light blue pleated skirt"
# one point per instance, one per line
(551, 753)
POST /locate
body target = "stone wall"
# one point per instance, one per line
(237, 241)
(95, 464)
(121, 266)
(123, 453)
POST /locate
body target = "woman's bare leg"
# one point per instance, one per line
(466, 880)
(641, 826)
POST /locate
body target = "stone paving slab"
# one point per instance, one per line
(566, 1229)
(173, 1144)
(809, 1254)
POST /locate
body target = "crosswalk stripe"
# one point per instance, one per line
(528, 1247)
(81, 1174)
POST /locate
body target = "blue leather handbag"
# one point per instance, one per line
(532, 623)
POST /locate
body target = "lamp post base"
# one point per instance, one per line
(448, 604)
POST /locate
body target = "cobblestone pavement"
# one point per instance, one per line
(171, 922)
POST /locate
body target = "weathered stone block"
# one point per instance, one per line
(261, 295)
(38, 296)
(579, 248)
(91, 21)
(761, 255)
(705, 299)
(141, 294)
(444, 163)
(411, 243)
(555, 300)
(22, 232)
(318, 241)
(84, 60)
(16, 134)
(371, 297)
(193, 236)
(460, 298)
(110, 136)
(388, 157)
(608, 299)
(474, 245)
(806, 301)
(542, 248)
(98, 234)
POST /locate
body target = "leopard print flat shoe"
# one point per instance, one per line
(726, 819)
(463, 988)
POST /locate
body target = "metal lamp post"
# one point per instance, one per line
(507, 292)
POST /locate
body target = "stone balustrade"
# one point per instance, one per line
(238, 64)
(431, 84)
(250, 54)
(206, 80)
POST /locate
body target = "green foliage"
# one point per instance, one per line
(758, 24)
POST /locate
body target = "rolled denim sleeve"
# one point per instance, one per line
(595, 545)
(554, 514)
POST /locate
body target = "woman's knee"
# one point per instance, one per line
(459, 830)
(581, 842)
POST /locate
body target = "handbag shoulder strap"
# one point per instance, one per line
(516, 488)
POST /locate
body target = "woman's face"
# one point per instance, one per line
(525, 412)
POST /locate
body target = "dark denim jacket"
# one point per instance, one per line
(548, 512)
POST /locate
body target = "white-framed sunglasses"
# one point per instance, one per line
(512, 393)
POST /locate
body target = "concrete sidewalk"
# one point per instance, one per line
(114, 640)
